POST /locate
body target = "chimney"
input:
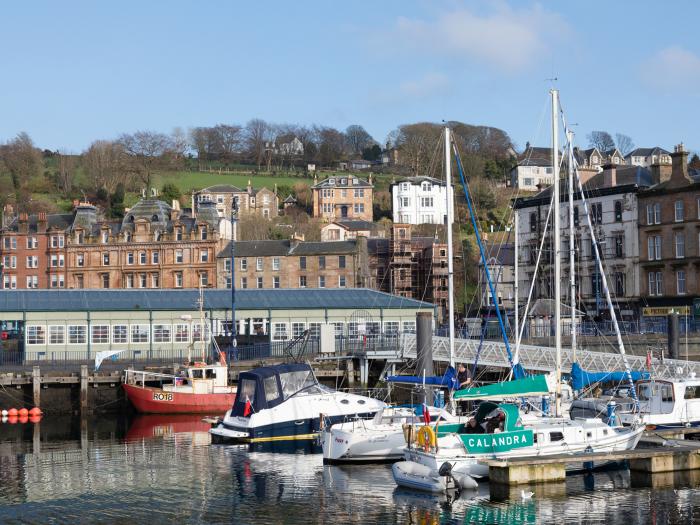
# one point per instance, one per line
(660, 173)
(250, 188)
(586, 174)
(42, 223)
(679, 166)
(175, 210)
(609, 176)
(23, 223)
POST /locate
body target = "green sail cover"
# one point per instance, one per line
(533, 385)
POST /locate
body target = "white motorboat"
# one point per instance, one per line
(286, 402)
(666, 403)
(376, 440)
(420, 477)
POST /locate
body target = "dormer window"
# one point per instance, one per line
(127, 236)
(178, 234)
(81, 237)
(344, 182)
(154, 218)
(331, 182)
(203, 233)
(156, 235)
(105, 236)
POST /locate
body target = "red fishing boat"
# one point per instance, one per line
(201, 389)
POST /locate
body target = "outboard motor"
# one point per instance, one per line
(461, 481)
(612, 417)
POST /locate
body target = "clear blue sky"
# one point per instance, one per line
(79, 71)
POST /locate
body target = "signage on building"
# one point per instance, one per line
(660, 311)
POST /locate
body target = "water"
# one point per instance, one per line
(164, 469)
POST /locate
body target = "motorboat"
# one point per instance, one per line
(380, 439)
(666, 403)
(200, 389)
(414, 475)
(286, 402)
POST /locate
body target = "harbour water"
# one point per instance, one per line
(164, 469)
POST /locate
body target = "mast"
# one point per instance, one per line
(572, 267)
(202, 326)
(515, 279)
(556, 246)
(450, 269)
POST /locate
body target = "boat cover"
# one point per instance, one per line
(528, 386)
(448, 379)
(581, 379)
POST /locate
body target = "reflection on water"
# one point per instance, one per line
(164, 469)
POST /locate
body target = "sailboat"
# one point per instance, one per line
(498, 430)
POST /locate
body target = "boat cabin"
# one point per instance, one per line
(201, 379)
(269, 386)
(679, 397)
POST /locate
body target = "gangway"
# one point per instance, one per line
(543, 358)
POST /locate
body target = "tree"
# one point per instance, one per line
(146, 152)
(694, 162)
(116, 202)
(65, 173)
(601, 140)
(624, 143)
(227, 141)
(22, 160)
(358, 139)
(372, 153)
(257, 139)
(170, 192)
(332, 145)
(103, 162)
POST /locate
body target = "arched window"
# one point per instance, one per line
(618, 211)
(533, 222)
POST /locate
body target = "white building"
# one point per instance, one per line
(646, 157)
(419, 200)
(612, 201)
(534, 169)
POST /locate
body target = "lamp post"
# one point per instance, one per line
(234, 216)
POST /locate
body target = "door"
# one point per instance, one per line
(344, 212)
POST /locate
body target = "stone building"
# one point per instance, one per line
(343, 197)
(154, 246)
(343, 230)
(252, 202)
(295, 264)
(669, 237)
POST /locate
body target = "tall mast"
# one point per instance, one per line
(201, 323)
(572, 244)
(556, 246)
(450, 270)
(515, 279)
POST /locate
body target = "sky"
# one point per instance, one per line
(74, 72)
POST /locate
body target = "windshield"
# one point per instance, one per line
(246, 390)
(293, 382)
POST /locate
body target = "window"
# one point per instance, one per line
(244, 264)
(259, 264)
(57, 261)
(680, 282)
(139, 333)
(576, 217)
(80, 260)
(178, 234)
(128, 237)
(298, 329)
(179, 258)
(654, 247)
(275, 264)
(276, 281)
(302, 281)
(302, 263)
(120, 334)
(271, 388)
(204, 256)
(556, 436)
(321, 281)
(33, 242)
(322, 262)
(279, 332)
(244, 282)
(426, 186)
(657, 213)
(36, 335)
(359, 193)
(178, 279)
(596, 284)
(409, 327)
(10, 261)
(77, 334)
(405, 202)
(619, 279)
(227, 265)
(678, 208)
(57, 335)
(57, 281)
(259, 282)
(619, 246)
(142, 258)
(204, 279)
(315, 330)
(341, 281)
(56, 241)
(618, 211)
(32, 281)
(155, 280)
(426, 202)
(130, 258)
(79, 280)
(339, 329)
(359, 208)
(155, 257)
(656, 283)
(33, 261)
(679, 242)
(597, 213)
(105, 236)
(650, 212)
(692, 392)
(100, 334)
(9, 282)
(156, 236)
(341, 261)
(161, 333)
(533, 222)
(142, 280)
(227, 282)
(391, 327)
(182, 333)
(105, 259)
(129, 280)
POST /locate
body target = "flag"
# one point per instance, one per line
(426, 415)
(248, 408)
(222, 358)
(649, 360)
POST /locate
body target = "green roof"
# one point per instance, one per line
(533, 385)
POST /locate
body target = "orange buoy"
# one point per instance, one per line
(12, 420)
(34, 418)
(23, 419)
(36, 411)
(23, 412)
(12, 412)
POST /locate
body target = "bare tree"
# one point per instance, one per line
(257, 139)
(104, 164)
(624, 143)
(65, 172)
(202, 141)
(601, 140)
(146, 152)
(358, 139)
(227, 141)
(22, 160)
(332, 145)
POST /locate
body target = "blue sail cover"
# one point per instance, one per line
(581, 379)
(449, 379)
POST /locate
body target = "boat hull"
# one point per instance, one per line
(151, 400)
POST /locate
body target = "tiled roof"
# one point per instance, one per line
(337, 182)
(283, 248)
